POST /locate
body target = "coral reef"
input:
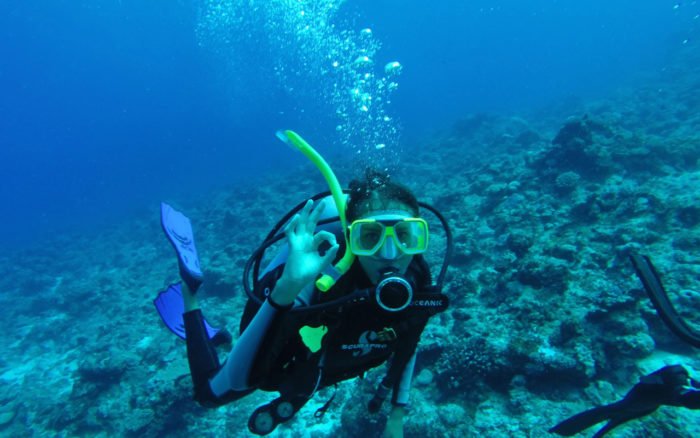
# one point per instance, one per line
(547, 317)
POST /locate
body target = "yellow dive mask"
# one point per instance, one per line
(407, 234)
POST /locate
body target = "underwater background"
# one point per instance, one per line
(555, 136)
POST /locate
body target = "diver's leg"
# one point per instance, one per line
(202, 357)
(200, 338)
(189, 298)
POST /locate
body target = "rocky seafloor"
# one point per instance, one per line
(547, 317)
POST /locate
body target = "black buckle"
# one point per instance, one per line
(387, 335)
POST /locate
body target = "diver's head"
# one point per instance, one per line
(385, 231)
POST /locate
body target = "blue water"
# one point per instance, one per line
(106, 107)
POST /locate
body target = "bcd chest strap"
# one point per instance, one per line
(422, 308)
(431, 302)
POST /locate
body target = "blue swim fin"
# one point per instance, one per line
(171, 307)
(178, 230)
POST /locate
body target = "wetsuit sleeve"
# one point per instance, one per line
(237, 374)
(262, 342)
(403, 386)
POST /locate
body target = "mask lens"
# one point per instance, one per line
(367, 237)
(412, 235)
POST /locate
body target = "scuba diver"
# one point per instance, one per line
(671, 385)
(349, 291)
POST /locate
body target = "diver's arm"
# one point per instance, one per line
(399, 399)
(235, 374)
(399, 379)
(258, 345)
(394, 424)
(261, 341)
(399, 396)
(403, 363)
(285, 291)
(397, 412)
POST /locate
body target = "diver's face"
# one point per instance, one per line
(388, 256)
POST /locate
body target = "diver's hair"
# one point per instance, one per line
(377, 182)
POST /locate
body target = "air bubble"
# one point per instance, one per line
(300, 36)
(393, 68)
(363, 60)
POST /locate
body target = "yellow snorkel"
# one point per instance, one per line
(295, 141)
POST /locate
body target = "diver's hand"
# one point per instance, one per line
(665, 386)
(304, 263)
(394, 425)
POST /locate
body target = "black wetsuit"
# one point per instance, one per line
(271, 355)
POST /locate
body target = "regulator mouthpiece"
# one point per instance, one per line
(393, 292)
